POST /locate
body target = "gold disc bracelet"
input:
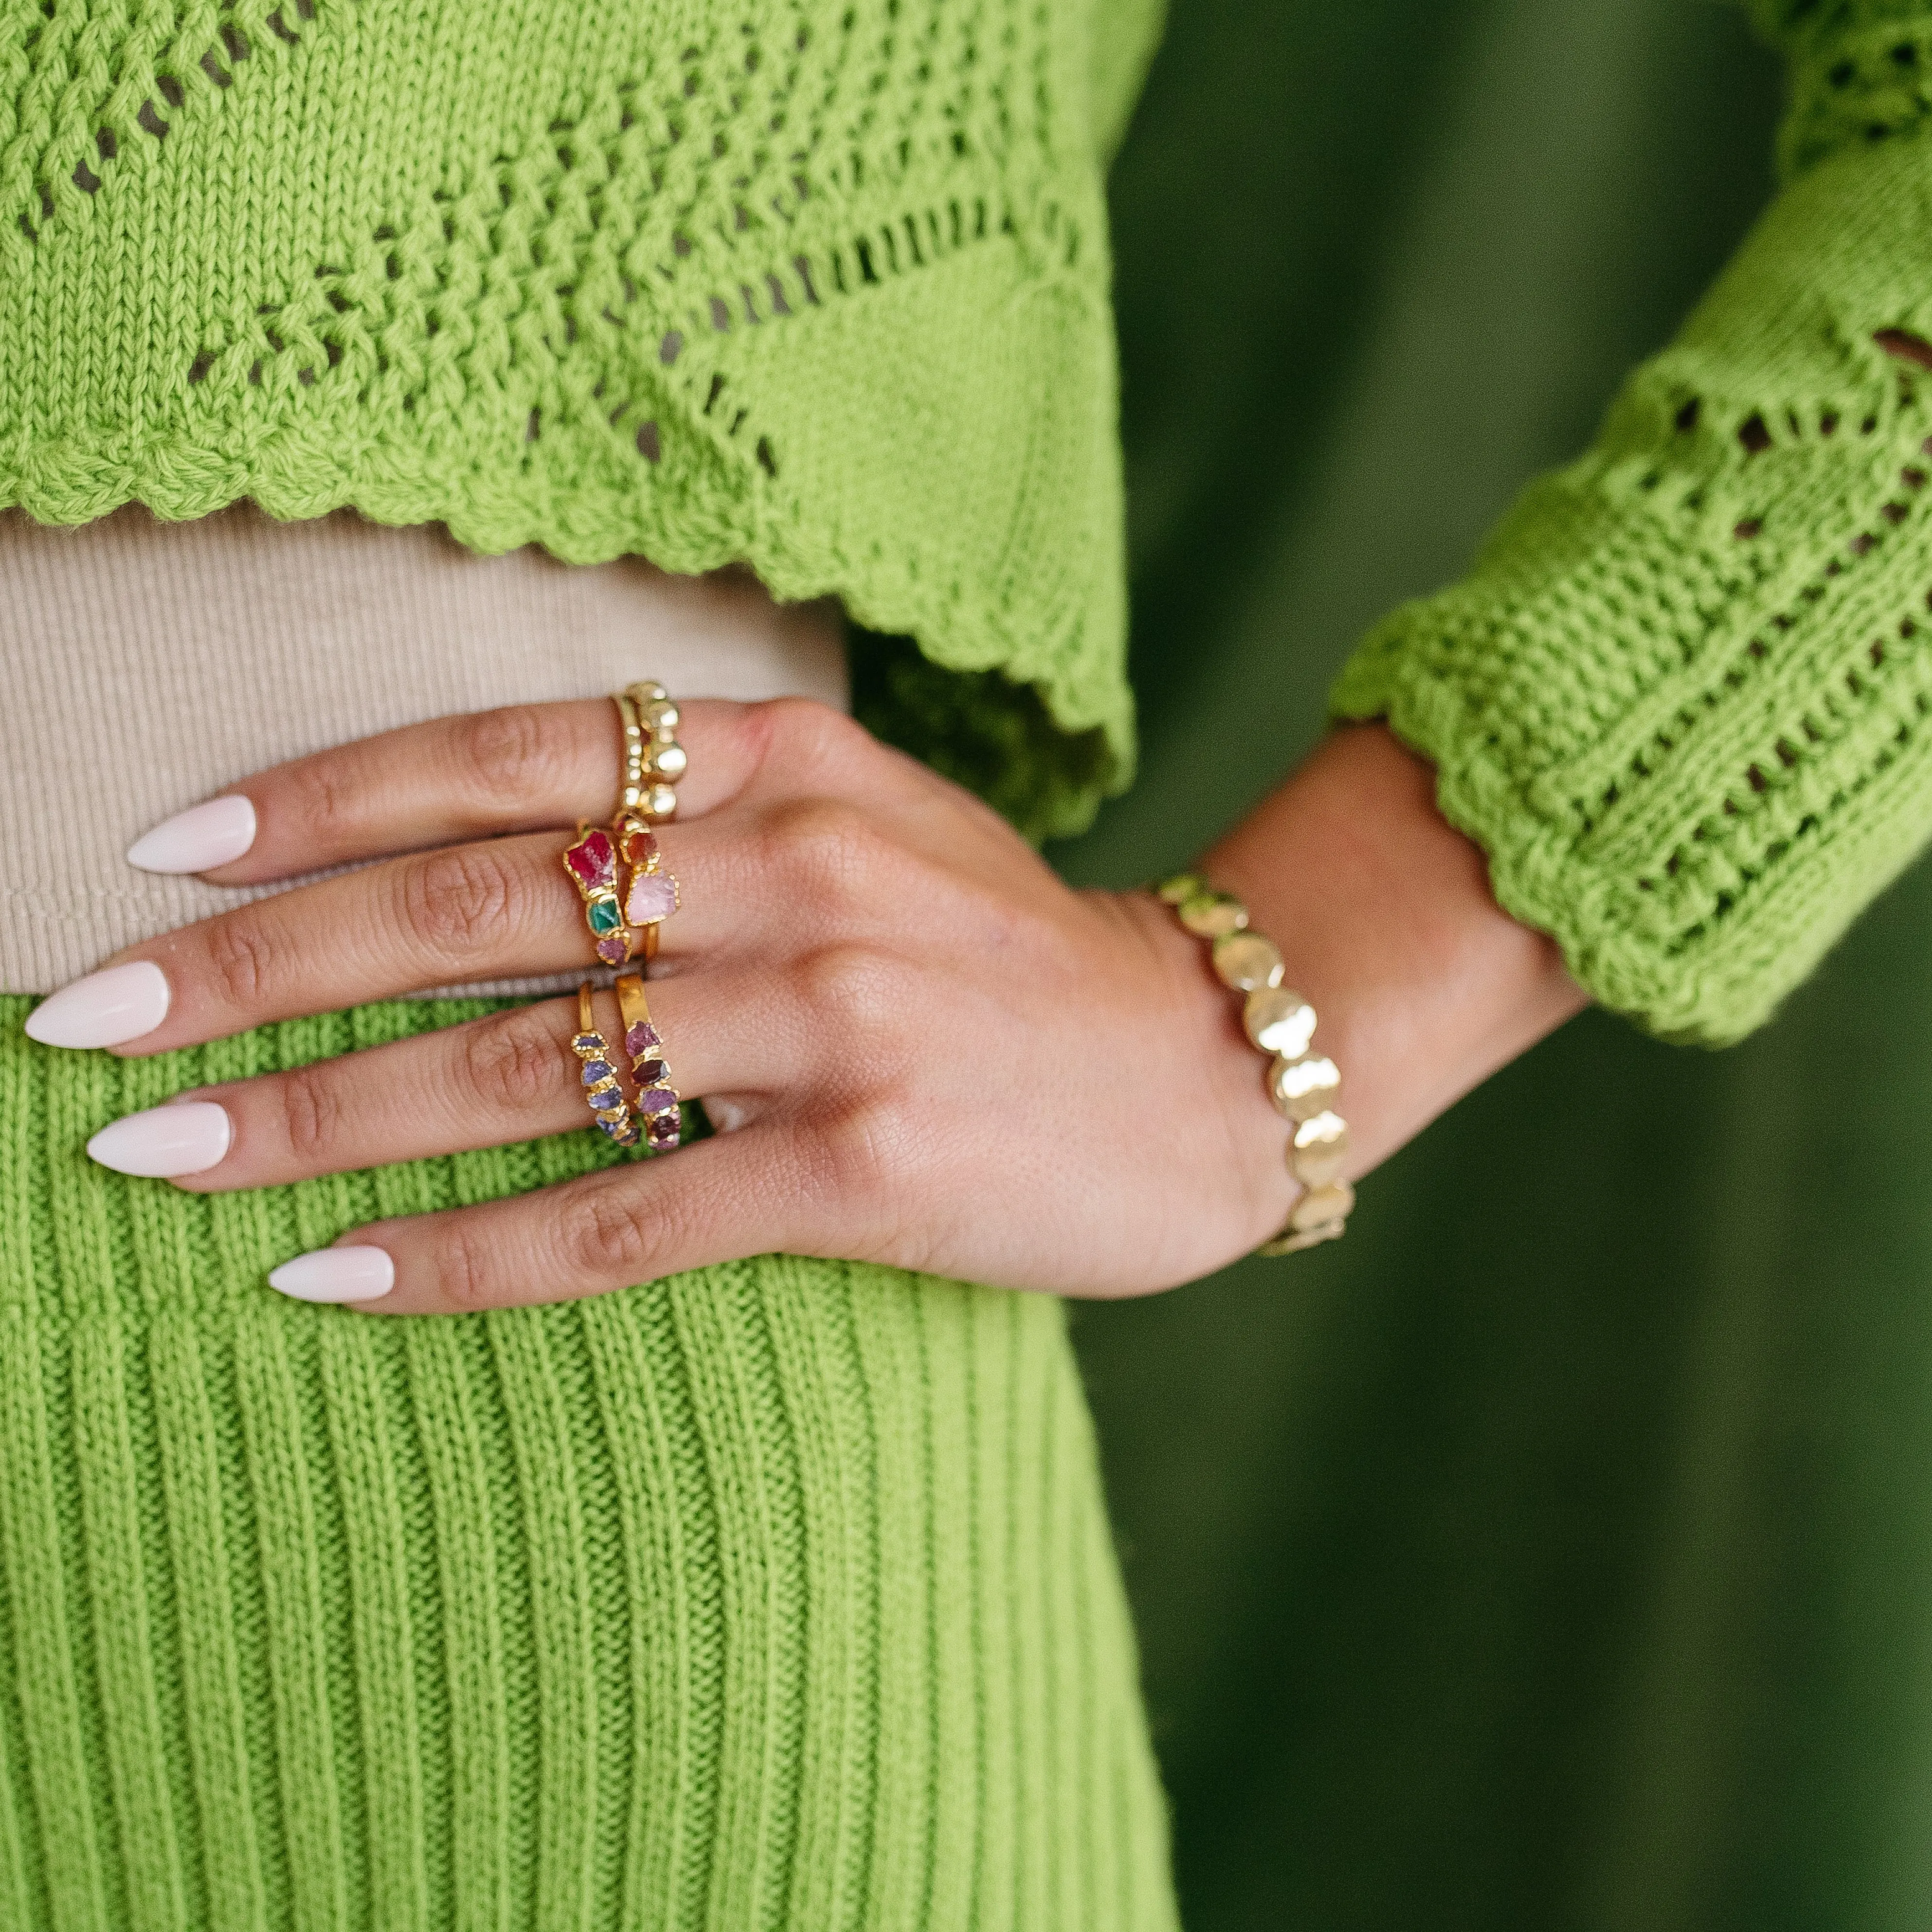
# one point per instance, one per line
(1304, 1085)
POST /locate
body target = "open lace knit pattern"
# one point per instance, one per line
(1683, 698)
(820, 287)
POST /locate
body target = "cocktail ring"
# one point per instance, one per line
(603, 1090)
(650, 892)
(591, 860)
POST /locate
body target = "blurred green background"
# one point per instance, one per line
(1556, 1551)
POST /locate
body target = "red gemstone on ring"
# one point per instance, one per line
(592, 863)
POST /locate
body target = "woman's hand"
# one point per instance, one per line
(920, 1047)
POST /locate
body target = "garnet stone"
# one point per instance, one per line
(592, 863)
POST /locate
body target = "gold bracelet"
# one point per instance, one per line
(1303, 1085)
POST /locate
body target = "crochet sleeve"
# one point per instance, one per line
(1681, 699)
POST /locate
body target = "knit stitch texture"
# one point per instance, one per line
(776, 1595)
(822, 288)
(1682, 699)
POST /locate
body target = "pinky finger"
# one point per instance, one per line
(719, 1200)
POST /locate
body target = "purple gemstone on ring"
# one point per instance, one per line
(650, 1071)
(642, 1035)
(595, 1070)
(656, 1100)
(607, 1102)
(612, 951)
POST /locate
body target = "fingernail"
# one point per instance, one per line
(337, 1274)
(119, 1003)
(198, 839)
(183, 1139)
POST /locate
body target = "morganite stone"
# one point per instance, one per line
(653, 897)
(612, 951)
(593, 862)
(642, 1035)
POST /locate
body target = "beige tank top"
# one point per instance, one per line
(147, 665)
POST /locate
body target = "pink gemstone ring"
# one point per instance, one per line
(650, 892)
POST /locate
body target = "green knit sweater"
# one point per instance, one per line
(1681, 700)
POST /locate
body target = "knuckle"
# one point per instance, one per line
(509, 1063)
(824, 847)
(519, 754)
(325, 799)
(453, 898)
(242, 957)
(460, 1264)
(865, 1148)
(609, 1237)
(862, 995)
(312, 1113)
(805, 732)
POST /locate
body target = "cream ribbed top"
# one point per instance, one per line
(147, 665)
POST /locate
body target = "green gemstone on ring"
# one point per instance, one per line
(605, 915)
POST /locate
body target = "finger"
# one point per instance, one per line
(482, 775)
(719, 1200)
(509, 1076)
(466, 914)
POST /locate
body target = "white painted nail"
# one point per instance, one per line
(186, 1138)
(198, 839)
(107, 1009)
(337, 1274)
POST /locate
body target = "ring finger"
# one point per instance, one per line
(509, 1076)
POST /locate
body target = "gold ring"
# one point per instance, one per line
(651, 893)
(654, 761)
(599, 1075)
(591, 860)
(658, 1108)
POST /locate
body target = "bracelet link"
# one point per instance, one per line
(1304, 1085)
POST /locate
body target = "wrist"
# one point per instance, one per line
(1386, 922)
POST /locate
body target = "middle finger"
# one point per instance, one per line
(502, 909)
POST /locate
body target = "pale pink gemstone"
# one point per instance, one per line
(653, 897)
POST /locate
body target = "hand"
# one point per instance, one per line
(920, 1047)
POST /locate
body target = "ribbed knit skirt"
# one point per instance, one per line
(778, 1594)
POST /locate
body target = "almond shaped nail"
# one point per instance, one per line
(107, 1009)
(198, 839)
(187, 1137)
(336, 1274)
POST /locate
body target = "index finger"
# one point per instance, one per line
(524, 768)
